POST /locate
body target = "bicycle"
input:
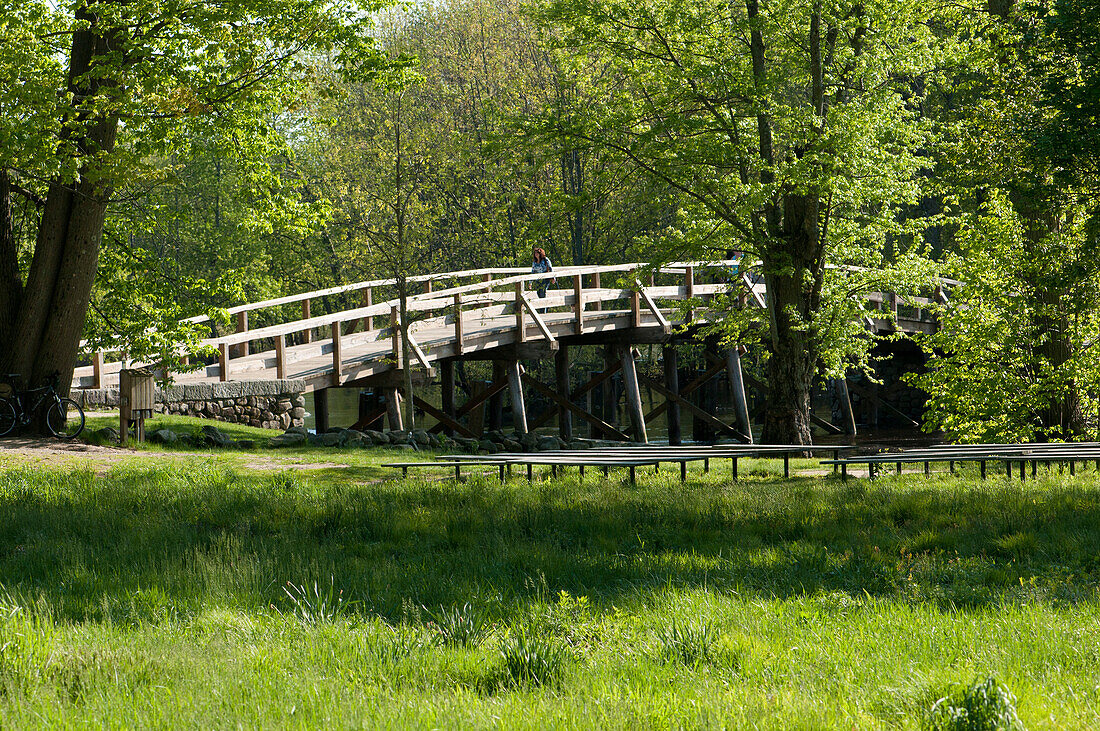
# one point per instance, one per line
(63, 417)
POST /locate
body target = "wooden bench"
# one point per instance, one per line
(406, 466)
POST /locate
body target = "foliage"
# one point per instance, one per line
(986, 705)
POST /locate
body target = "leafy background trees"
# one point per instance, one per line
(166, 159)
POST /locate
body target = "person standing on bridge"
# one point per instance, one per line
(541, 265)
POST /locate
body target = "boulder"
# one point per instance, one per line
(329, 439)
(298, 430)
(422, 437)
(106, 435)
(290, 439)
(512, 445)
(488, 446)
(164, 436)
(215, 437)
(548, 443)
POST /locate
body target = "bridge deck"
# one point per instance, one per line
(480, 319)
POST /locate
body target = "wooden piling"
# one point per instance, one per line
(633, 395)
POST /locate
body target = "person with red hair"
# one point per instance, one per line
(541, 265)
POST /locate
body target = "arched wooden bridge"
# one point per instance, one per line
(497, 315)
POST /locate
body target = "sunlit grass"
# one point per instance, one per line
(199, 593)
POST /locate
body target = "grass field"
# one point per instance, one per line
(205, 591)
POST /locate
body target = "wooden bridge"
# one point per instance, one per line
(498, 315)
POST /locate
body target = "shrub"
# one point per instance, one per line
(690, 644)
(531, 658)
(460, 626)
(985, 706)
(314, 605)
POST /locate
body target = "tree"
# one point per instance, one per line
(97, 90)
(788, 125)
(1015, 359)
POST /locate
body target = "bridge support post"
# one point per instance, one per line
(737, 389)
(671, 358)
(515, 388)
(609, 392)
(393, 409)
(845, 399)
(561, 371)
(320, 410)
(447, 391)
(496, 401)
(633, 395)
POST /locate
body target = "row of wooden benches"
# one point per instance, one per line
(631, 458)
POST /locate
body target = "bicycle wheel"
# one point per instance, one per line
(9, 417)
(65, 418)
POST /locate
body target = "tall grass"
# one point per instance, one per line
(206, 595)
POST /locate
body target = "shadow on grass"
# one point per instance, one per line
(151, 543)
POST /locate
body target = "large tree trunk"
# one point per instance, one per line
(59, 284)
(11, 283)
(794, 272)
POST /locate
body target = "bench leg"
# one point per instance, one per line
(458, 474)
(581, 471)
(983, 468)
(530, 472)
(844, 472)
(404, 471)
(1072, 467)
(606, 470)
(683, 471)
(927, 468)
(706, 466)
(501, 469)
(631, 474)
(733, 468)
(786, 466)
(899, 468)
(553, 470)
(836, 456)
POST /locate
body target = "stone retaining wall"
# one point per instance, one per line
(267, 404)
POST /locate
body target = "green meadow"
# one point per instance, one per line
(315, 588)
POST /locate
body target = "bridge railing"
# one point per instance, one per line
(500, 291)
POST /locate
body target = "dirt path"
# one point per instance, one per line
(55, 453)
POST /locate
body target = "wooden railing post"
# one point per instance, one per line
(488, 277)
(97, 369)
(635, 306)
(458, 324)
(578, 306)
(521, 334)
(893, 299)
(368, 300)
(597, 305)
(307, 334)
(242, 327)
(427, 286)
(689, 288)
(280, 357)
(337, 355)
(395, 335)
(223, 362)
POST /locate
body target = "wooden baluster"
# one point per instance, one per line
(578, 306)
(223, 362)
(652, 279)
(428, 286)
(97, 369)
(597, 305)
(488, 277)
(336, 354)
(395, 335)
(280, 357)
(521, 334)
(368, 300)
(689, 288)
(635, 306)
(458, 324)
(307, 334)
(242, 327)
